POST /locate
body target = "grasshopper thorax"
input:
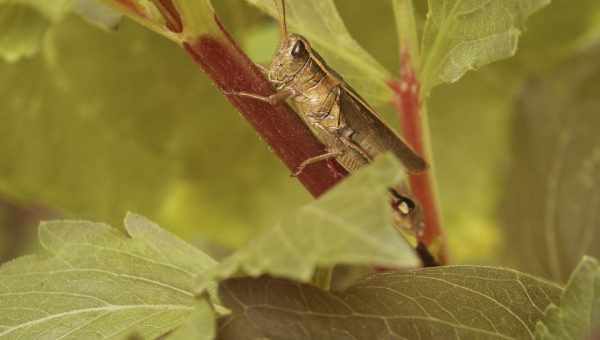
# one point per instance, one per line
(292, 55)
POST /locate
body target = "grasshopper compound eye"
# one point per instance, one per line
(299, 50)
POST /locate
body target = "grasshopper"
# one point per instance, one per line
(350, 129)
(340, 118)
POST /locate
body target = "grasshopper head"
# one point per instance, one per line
(292, 55)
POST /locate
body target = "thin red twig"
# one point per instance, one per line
(407, 101)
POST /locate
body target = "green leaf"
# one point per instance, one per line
(96, 281)
(579, 309)
(166, 246)
(320, 22)
(406, 23)
(197, 17)
(351, 224)
(462, 35)
(200, 325)
(552, 200)
(23, 24)
(455, 302)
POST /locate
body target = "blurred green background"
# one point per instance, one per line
(99, 123)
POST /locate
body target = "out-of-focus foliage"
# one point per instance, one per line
(18, 226)
(552, 206)
(23, 24)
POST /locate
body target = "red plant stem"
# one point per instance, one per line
(407, 102)
(279, 126)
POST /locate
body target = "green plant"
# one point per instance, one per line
(77, 142)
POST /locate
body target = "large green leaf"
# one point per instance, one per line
(320, 22)
(95, 281)
(199, 326)
(552, 200)
(351, 224)
(455, 302)
(579, 312)
(462, 35)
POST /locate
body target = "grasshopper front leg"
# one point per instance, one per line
(279, 98)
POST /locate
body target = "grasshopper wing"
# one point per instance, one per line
(374, 135)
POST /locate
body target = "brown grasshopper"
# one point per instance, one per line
(350, 129)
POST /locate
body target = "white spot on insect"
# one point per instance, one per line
(403, 208)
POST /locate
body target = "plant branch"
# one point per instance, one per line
(407, 101)
(279, 126)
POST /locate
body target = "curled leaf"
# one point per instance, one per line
(463, 35)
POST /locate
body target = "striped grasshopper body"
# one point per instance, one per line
(350, 129)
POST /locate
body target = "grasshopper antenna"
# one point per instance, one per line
(280, 5)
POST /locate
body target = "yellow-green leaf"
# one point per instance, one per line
(351, 224)
(95, 281)
(578, 314)
(463, 35)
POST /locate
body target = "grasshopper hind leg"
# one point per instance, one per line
(345, 136)
(326, 156)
